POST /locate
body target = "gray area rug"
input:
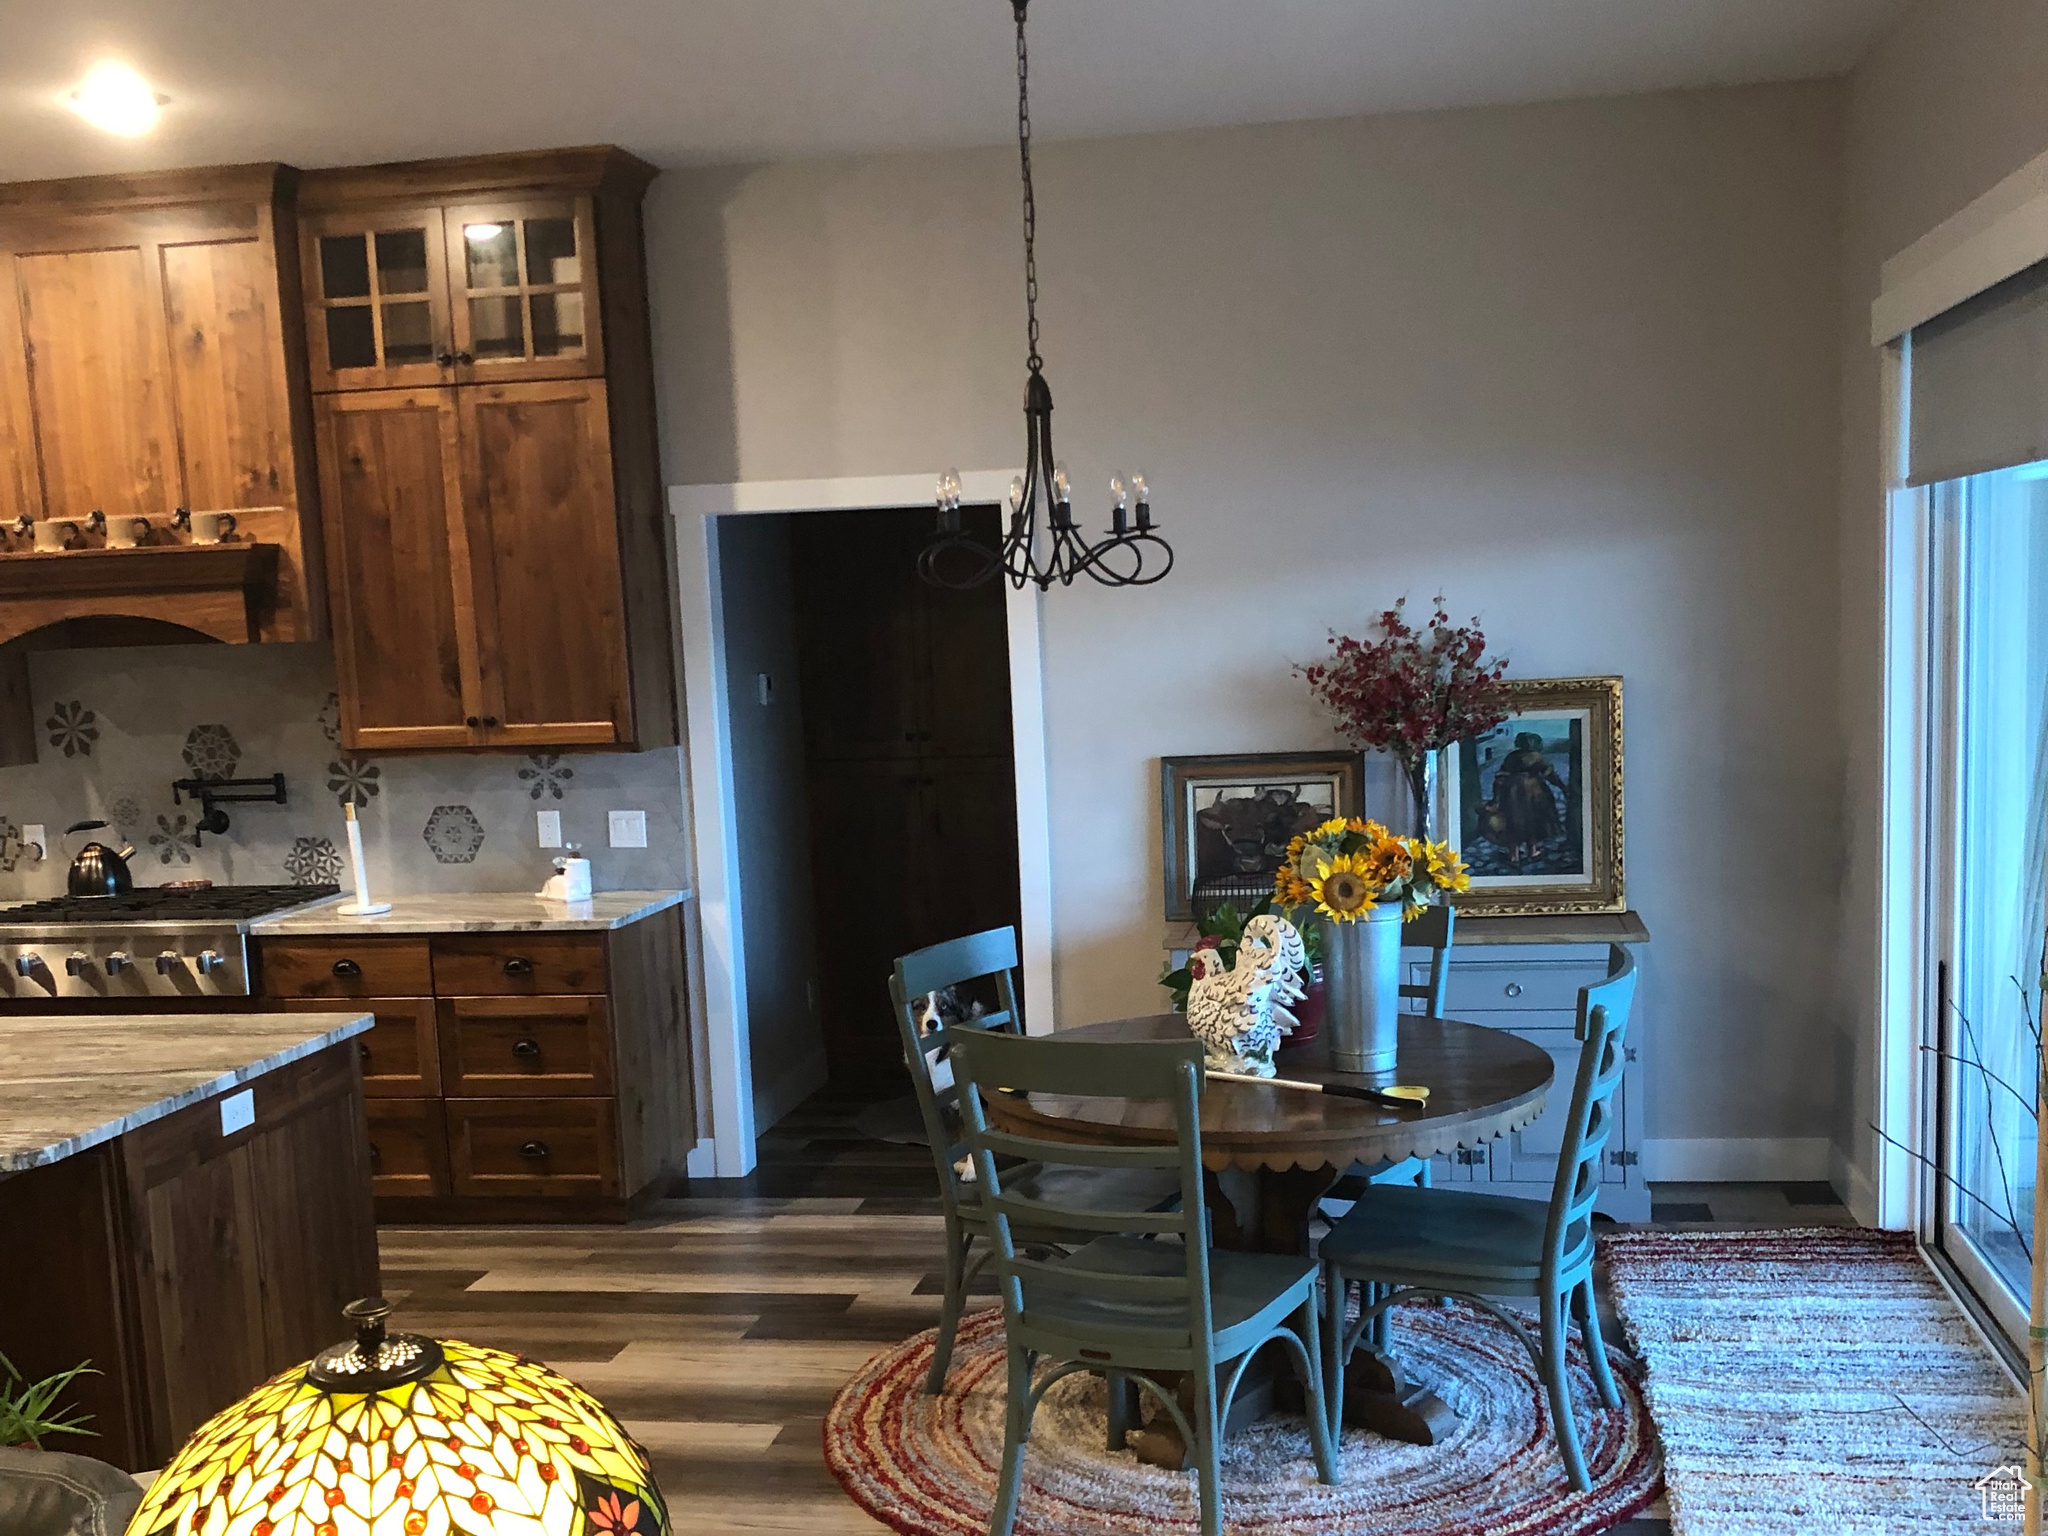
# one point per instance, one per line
(1812, 1381)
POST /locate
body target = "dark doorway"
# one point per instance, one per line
(909, 774)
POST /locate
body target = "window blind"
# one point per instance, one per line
(1979, 383)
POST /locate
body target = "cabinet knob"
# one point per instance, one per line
(471, 721)
(375, 1154)
(363, 1049)
(526, 1048)
(1513, 989)
(465, 358)
(519, 965)
(444, 359)
(491, 721)
(347, 969)
(533, 1149)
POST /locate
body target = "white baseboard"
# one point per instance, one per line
(1854, 1185)
(1735, 1160)
(701, 1161)
(777, 1096)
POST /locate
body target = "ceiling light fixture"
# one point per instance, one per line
(1132, 555)
(115, 98)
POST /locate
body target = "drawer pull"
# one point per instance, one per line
(526, 1048)
(519, 965)
(1513, 989)
(363, 1049)
(534, 1149)
(347, 969)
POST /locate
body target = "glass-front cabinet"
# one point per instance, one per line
(480, 293)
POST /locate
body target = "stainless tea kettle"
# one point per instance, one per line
(99, 870)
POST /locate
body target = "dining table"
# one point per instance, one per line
(1272, 1154)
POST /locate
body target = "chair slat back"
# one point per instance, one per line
(1169, 1311)
(989, 956)
(1603, 1029)
(1431, 929)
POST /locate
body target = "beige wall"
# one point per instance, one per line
(1948, 105)
(1575, 365)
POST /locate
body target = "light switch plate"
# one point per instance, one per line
(548, 827)
(628, 829)
(238, 1112)
(33, 833)
(764, 682)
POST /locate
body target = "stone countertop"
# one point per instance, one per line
(474, 912)
(70, 1083)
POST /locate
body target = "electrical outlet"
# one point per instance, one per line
(628, 829)
(765, 682)
(33, 834)
(548, 827)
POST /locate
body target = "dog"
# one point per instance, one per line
(931, 1013)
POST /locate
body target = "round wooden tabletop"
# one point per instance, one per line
(1482, 1083)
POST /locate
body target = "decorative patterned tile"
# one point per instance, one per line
(11, 846)
(354, 780)
(330, 719)
(73, 728)
(313, 861)
(174, 839)
(126, 811)
(454, 834)
(545, 776)
(211, 751)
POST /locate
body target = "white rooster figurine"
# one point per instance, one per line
(1240, 1014)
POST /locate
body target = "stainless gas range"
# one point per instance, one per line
(189, 943)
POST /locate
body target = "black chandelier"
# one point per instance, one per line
(1131, 555)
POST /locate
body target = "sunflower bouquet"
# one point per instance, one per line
(1346, 867)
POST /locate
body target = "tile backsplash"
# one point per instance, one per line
(114, 727)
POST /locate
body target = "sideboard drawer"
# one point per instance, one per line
(354, 968)
(1526, 987)
(547, 1046)
(533, 1147)
(399, 1055)
(518, 964)
(408, 1147)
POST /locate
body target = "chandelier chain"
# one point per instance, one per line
(1034, 361)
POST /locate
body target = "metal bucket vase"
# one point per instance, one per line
(1362, 973)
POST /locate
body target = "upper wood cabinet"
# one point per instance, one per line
(477, 336)
(150, 360)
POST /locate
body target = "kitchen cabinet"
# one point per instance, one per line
(150, 361)
(477, 331)
(530, 1076)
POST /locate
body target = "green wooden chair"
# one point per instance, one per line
(1432, 929)
(1148, 1295)
(990, 959)
(1400, 1241)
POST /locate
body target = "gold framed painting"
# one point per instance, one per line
(1534, 806)
(1227, 820)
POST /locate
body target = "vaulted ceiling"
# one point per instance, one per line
(320, 82)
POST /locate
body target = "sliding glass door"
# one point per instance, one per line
(1991, 857)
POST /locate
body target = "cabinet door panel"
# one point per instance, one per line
(543, 529)
(404, 642)
(97, 378)
(522, 279)
(21, 479)
(227, 374)
(376, 287)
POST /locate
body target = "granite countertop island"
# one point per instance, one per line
(67, 1084)
(475, 912)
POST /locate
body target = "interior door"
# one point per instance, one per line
(404, 636)
(98, 380)
(524, 290)
(543, 530)
(376, 284)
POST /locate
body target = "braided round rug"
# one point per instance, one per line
(926, 1466)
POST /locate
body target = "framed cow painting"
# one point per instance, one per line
(1226, 820)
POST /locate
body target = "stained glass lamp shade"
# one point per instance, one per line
(404, 1436)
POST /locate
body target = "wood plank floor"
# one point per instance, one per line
(719, 1327)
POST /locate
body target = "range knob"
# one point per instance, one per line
(28, 964)
(76, 962)
(117, 962)
(168, 962)
(211, 960)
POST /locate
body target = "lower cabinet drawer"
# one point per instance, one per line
(533, 1146)
(408, 1147)
(400, 1057)
(518, 964)
(553, 1047)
